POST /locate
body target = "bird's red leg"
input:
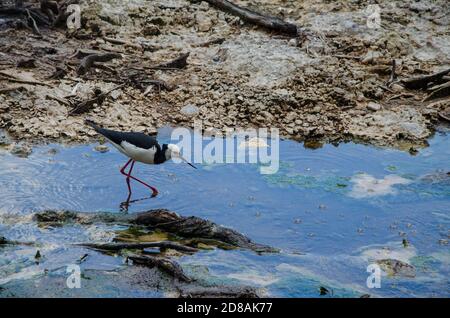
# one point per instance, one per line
(122, 171)
(154, 190)
(128, 175)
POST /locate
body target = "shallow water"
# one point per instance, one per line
(332, 211)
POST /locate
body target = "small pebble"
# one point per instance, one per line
(373, 106)
(101, 148)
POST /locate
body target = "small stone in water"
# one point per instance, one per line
(443, 242)
(101, 148)
(405, 243)
(52, 151)
(21, 150)
(4, 139)
(323, 291)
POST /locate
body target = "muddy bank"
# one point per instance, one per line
(333, 81)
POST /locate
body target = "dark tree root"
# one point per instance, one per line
(162, 263)
(186, 227)
(271, 23)
(142, 245)
(4, 241)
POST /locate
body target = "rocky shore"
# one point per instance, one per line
(339, 79)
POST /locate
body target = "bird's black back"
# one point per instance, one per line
(138, 139)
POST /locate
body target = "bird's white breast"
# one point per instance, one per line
(138, 154)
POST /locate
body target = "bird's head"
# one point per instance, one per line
(173, 151)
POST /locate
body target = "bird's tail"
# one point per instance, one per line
(92, 124)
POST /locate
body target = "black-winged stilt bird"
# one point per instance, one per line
(139, 147)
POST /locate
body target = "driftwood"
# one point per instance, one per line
(32, 23)
(88, 104)
(178, 63)
(422, 82)
(164, 264)
(88, 61)
(123, 42)
(268, 22)
(142, 245)
(187, 227)
(4, 241)
(440, 91)
(15, 79)
(210, 42)
(445, 114)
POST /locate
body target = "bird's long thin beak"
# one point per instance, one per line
(188, 163)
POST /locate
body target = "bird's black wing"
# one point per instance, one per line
(140, 140)
(135, 138)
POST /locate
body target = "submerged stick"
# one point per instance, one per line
(268, 22)
(163, 264)
(142, 245)
(4, 241)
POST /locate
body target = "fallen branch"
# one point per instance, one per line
(88, 104)
(178, 63)
(445, 114)
(32, 23)
(422, 82)
(12, 78)
(88, 61)
(164, 264)
(58, 99)
(139, 246)
(123, 42)
(439, 92)
(268, 22)
(210, 42)
(4, 90)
